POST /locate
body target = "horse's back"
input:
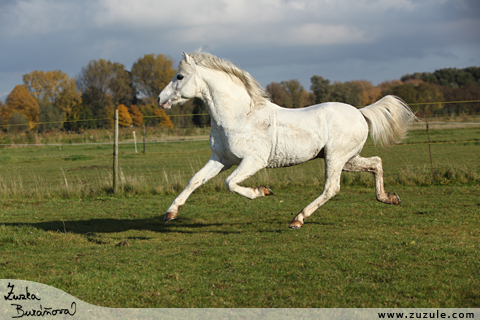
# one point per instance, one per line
(303, 134)
(331, 116)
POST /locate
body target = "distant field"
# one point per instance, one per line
(61, 225)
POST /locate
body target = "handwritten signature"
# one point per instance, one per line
(35, 312)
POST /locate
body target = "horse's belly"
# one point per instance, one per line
(288, 159)
(295, 149)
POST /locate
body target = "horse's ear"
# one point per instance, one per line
(187, 58)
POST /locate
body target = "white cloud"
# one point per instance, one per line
(66, 34)
(272, 22)
(39, 17)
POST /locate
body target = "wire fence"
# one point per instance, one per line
(181, 134)
(35, 124)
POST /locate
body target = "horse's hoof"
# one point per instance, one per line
(394, 198)
(266, 191)
(170, 216)
(295, 224)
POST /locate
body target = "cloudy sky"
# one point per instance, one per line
(274, 40)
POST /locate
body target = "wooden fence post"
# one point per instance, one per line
(115, 153)
(135, 141)
(143, 138)
(430, 150)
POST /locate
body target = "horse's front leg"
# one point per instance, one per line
(213, 167)
(247, 168)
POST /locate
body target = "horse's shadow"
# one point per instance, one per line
(104, 226)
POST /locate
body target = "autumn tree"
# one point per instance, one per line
(22, 102)
(124, 118)
(288, 94)
(136, 114)
(387, 85)
(164, 119)
(150, 74)
(370, 93)
(466, 93)
(420, 96)
(278, 94)
(53, 88)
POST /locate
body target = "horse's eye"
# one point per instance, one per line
(179, 77)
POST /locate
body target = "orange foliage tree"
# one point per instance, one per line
(387, 85)
(164, 119)
(151, 74)
(54, 87)
(370, 93)
(124, 118)
(136, 114)
(21, 101)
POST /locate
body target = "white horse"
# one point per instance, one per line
(250, 131)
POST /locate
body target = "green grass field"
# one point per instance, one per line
(61, 225)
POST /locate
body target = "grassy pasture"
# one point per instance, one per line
(60, 225)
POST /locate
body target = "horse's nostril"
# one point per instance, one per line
(158, 100)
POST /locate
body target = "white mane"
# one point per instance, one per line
(258, 94)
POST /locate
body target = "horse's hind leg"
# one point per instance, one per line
(373, 165)
(333, 171)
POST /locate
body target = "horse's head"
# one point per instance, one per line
(182, 87)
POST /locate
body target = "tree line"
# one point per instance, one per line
(51, 100)
(421, 90)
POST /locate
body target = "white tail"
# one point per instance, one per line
(388, 119)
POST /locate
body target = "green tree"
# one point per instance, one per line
(450, 77)
(346, 92)
(148, 112)
(104, 84)
(298, 96)
(50, 117)
(152, 73)
(321, 89)
(17, 123)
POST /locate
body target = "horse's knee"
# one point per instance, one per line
(229, 185)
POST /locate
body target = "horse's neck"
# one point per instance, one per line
(228, 103)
